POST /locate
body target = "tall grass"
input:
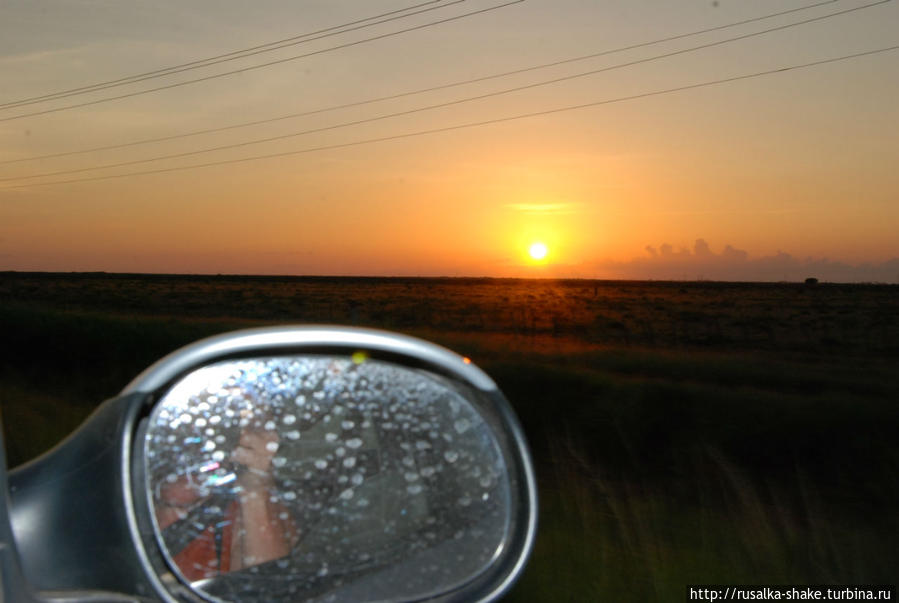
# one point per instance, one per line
(679, 436)
(644, 539)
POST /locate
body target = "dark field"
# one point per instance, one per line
(683, 432)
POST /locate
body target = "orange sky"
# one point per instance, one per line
(801, 162)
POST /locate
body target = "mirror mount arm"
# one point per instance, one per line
(13, 586)
(68, 513)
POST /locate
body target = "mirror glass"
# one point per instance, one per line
(325, 478)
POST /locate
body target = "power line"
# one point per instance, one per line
(230, 56)
(261, 65)
(468, 125)
(447, 103)
(419, 91)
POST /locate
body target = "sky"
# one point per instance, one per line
(692, 143)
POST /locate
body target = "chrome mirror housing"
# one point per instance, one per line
(328, 464)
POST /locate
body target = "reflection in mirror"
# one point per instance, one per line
(325, 478)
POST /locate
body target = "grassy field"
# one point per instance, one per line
(683, 432)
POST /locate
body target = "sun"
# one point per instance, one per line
(538, 251)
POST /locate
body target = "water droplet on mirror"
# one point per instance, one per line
(397, 429)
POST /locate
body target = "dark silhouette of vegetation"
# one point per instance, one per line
(683, 432)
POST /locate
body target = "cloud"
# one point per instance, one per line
(732, 264)
(701, 249)
(545, 208)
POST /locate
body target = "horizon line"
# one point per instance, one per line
(326, 277)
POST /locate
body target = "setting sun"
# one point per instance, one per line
(538, 251)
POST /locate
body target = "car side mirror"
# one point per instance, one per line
(292, 463)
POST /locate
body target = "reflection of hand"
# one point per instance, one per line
(255, 452)
(175, 498)
(262, 529)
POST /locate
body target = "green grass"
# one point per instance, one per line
(678, 436)
(639, 539)
(24, 415)
(83, 356)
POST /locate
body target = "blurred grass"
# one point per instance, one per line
(87, 356)
(638, 540)
(733, 453)
(56, 366)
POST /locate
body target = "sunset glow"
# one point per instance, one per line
(376, 157)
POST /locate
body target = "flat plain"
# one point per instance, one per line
(683, 432)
